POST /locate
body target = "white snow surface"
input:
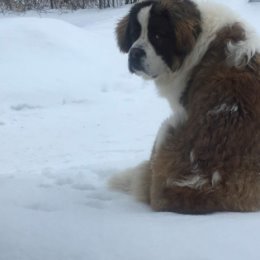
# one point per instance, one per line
(71, 115)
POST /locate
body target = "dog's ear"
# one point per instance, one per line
(123, 40)
(186, 32)
(186, 21)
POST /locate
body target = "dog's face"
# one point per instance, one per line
(158, 36)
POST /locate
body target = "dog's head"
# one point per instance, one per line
(158, 35)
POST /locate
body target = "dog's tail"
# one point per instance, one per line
(135, 181)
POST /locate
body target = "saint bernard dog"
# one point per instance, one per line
(206, 62)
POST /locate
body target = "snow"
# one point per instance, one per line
(71, 115)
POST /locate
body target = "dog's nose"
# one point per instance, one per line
(137, 53)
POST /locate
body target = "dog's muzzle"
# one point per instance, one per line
(135, 61)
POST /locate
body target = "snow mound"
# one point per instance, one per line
(45, 61)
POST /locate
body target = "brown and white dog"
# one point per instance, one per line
(206, 62)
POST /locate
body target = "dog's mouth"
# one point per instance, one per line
(144, 74)
(135, 67)
(140, 70)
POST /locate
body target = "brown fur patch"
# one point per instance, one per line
(222, 132)
(187, 23)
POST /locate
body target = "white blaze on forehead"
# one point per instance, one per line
(143, 18)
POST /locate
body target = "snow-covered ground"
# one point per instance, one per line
(71, 115)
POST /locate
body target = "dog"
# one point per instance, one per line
(206, 62)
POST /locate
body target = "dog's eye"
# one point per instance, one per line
(160, 36)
